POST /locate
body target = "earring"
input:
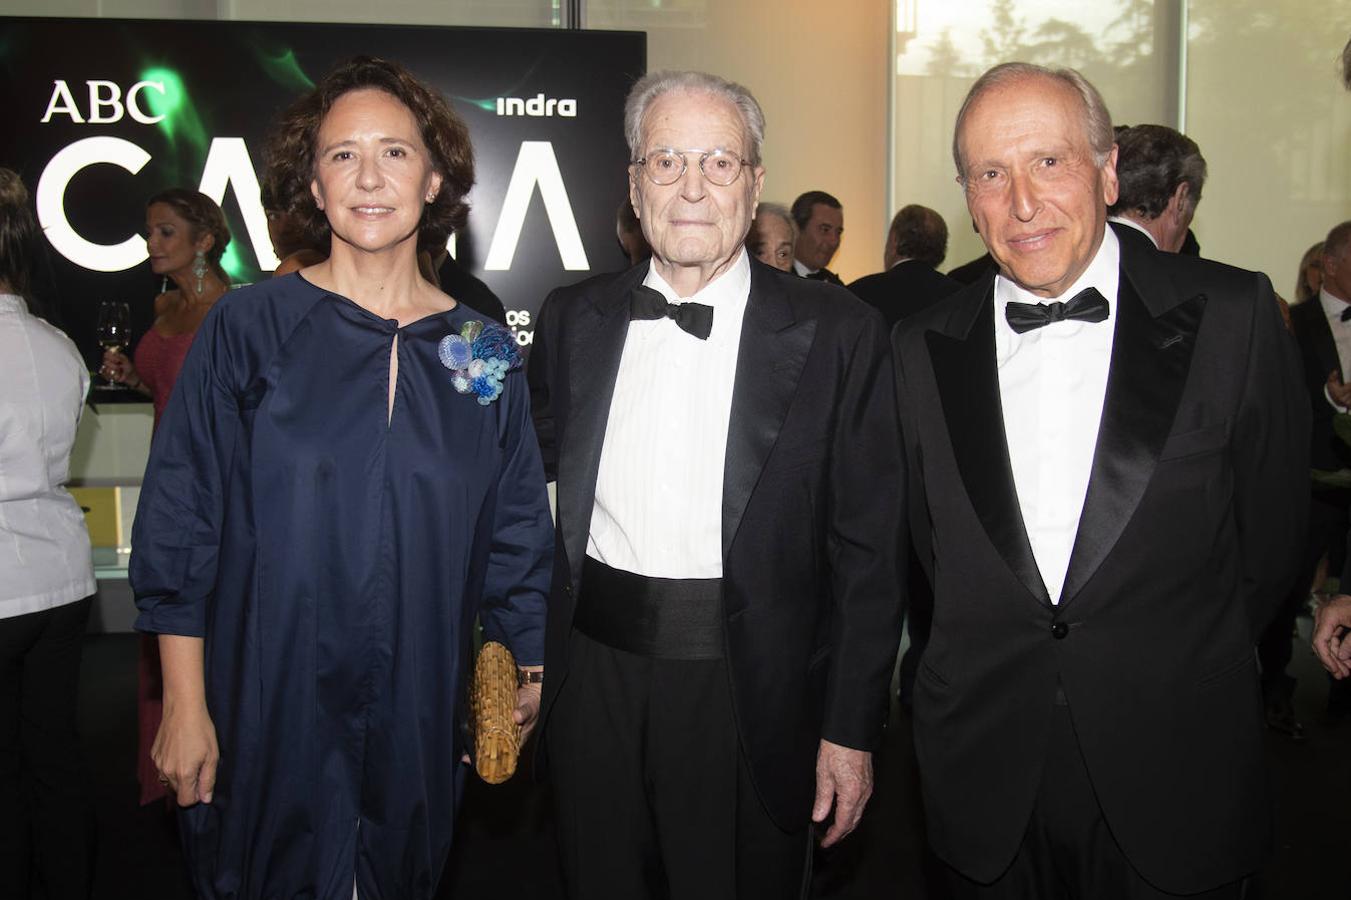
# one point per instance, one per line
(199, 269)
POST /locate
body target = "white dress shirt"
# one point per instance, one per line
(1131, 223)
(1341, 336)
(658, 508)
(802, 270)
(1052, 382)
(45, 559)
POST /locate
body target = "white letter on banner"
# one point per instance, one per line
(134, 107)
(536, 164)
(228, 162)
(51, 203)
(61, 94)
(97, 102)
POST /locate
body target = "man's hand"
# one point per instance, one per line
(527, 704)
(1339, 391)
(844, 780)
(1332, 620)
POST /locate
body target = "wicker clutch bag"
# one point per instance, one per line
(497, 737)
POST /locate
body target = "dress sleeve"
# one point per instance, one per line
(520, 561)
(176, 535)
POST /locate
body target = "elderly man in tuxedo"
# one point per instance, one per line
(1106, 449)
(726, 605)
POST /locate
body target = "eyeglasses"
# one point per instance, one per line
(721, 167)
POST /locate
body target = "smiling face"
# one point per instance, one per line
(170, 242)
(373, 173)
(694, 223)
(1037, 196)
(820, 237)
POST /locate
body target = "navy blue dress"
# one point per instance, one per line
(334, 562)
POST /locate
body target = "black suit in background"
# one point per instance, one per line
(1327, 521)
(904, 289)
(901, 291)
(1185, 545)
(810, 519)
(975, 270)
(825, 275)
(467, 288)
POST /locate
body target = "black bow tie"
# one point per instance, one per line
(818, 275)
(1346, 314)
(1086, 306)
(693, 318)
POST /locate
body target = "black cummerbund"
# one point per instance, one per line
(662, 618)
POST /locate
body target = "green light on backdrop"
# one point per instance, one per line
(235, 267)
(285, 70)
(180, 117)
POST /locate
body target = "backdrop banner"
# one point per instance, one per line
(103, 113)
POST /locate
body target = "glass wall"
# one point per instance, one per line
(1124, 48)
(1266, 106)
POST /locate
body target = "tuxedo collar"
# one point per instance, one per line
(1156, 328)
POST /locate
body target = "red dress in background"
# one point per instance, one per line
(158, 359)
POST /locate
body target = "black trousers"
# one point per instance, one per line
(1068, 853)
(654, 798)
(46, 819)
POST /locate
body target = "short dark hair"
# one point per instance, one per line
(920, 233)
(802, 206)
(1338, 240)
(1152, 160)
(203, 217)
(18, 234)
(292, 144)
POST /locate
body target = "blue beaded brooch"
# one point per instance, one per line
(479, 358)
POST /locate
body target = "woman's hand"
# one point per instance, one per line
(118, 368)
(186, 754)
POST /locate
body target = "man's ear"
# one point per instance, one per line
(1179, 205)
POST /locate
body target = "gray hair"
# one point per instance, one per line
(1097, 120)
(778, 210)
(656, 84)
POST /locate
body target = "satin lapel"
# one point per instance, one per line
(968, 386)
(594, 348)
(773, 350)
(1151, 355)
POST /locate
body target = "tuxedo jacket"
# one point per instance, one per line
(810, 526)
(1318, 353)
(904, 289)
(1186, 544)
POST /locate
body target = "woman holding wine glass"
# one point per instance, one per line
(186, 235)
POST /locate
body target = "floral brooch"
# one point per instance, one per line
(479, 358)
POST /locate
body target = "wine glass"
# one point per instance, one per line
(114, 329)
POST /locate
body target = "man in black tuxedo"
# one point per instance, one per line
(916, 243)
(820, 226)
(1161, 173)
(725, 610)
(1106, 450)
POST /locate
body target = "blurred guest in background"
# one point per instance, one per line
(630, 233)
(46, 580)
(1310, 278)
(820, 225)
(345, 478)
(916, 243)
(186, 236)
(1161, 173)
(772, 236)
(294, 249)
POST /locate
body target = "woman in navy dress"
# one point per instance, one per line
(345, 477)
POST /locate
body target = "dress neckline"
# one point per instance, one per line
(391, 323)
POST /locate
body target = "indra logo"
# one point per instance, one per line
(537, 105)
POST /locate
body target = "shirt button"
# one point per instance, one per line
(1059, 630)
